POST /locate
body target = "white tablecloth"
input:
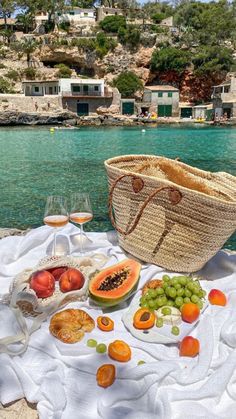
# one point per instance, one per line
(61, 378)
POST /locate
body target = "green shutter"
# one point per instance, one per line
(164, 110)
(127, 108)
(170, 94)
(160, 94)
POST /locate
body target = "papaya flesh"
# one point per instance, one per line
(114, 284)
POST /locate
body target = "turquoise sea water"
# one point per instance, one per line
(35, 163)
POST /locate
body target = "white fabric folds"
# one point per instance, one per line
(61, 378)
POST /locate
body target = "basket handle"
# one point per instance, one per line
(175, 197)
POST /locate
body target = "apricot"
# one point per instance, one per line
(43, 283)
(57, 272)
(189, 346)
(71, 280)
(190, 312)
(217, 297)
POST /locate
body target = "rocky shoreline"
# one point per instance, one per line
(70, 119)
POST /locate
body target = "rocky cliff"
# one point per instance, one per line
(192, 88)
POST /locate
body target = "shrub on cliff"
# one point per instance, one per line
(104, 44)
(12, 75)
(63, 71)
(113, 23)
(170, 59)
(30, 73)
(129, 36)
(128, 83)
(5, 86)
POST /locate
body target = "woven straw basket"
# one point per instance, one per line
(169, 213)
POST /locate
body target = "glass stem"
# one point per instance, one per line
(54, 242)
(81, 238)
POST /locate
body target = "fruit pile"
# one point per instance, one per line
(43, 282)
(173, 292)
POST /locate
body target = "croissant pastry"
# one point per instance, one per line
(69, 325)
(153, 284)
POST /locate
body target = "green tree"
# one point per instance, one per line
(6, 34)
(212, 59)
(26, 20)
(128, 83)
(113, 23)
(7, 7)
(170, 59)
(27, 47)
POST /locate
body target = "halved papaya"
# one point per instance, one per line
(114, 284)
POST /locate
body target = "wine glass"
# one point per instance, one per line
(56, 215)
(81, 213)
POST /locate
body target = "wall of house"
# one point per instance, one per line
(43, 89)
(102, 12)
(199, 112)
(65, 84)
(94, 103)
(152, 96)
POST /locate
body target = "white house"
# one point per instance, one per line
(40, 87)
(77, 15)
(81, 87)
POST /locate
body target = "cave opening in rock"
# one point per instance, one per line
(80, 71)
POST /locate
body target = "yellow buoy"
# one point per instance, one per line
(52, 130)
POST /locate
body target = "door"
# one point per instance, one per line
(82, 109)
(127, 108)
(50, 90)
(164, 110)
(186, 112)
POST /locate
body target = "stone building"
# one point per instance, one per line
(224, 98)
(161, 99)
(103, 12)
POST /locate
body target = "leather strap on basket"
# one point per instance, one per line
(175, 197)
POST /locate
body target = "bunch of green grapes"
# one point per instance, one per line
(174, 292)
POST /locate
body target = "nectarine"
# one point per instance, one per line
(190, 312)
(57, 272)
(70, 280)
(189, 346)
(43, 283)
(217, 297)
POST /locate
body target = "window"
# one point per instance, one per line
(55, 89)
(71, 13)
(76, 89)
(169, 94)
(96, 88)
(36, 89)
(85, 14)
(160, 94)
(85, 88)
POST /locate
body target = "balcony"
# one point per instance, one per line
(89, 93)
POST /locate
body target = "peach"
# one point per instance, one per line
(70, 280)
(190, 312)
(57, 272)
(189, 346)
(43, 283)
(217, 297)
